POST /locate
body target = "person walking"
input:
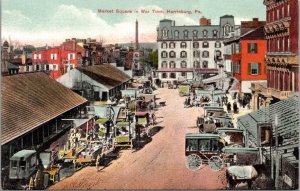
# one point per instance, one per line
(228, 107)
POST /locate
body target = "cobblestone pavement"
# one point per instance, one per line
(160, 164)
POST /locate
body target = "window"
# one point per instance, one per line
(195, 44)
(47, 67)
(71, 66)
(265, 134)
(282, 11)
(172, 64)
(186, 34)
(215, 33)
(218, 55)
(288, 10)
(278, 45)
(172, 45)
(164, 45)
(176, 34)
(288, 44)
(218, 44)
(165, 33)
(164, 54)
(27, 68)
(183, 45)
(34, 56)
(254, 68)
(183, 64)
(164, 64)
(205, 54)
(226, 30)
(71, 56)
(205, 44)
(204, 33)
(173, 75)
(204, 64)
(183, 74)
(53, 56)
(196, 54)
(37, 67)
(172, 54)
(196, 64)
(164, 75)
(183, 54)
(195, 33)
(252, 47)
(283, 45)
(278, 13)
(54, 67)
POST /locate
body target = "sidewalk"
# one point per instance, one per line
(242, 111)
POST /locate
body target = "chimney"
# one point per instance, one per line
(205, 22)
(255, 19)
(23, 57)
(174, 23)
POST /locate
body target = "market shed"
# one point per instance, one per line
(261, 123)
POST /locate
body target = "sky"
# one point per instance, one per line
(40, 22)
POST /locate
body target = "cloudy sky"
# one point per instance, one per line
(39, 22)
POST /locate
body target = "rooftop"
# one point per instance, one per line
(30, 100)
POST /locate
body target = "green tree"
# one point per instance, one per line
(154, 58)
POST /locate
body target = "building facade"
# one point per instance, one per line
(282, 56)
(182, 50)
(248, 54)
(55, 61)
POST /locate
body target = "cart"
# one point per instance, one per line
(124, 134)
(203, 149)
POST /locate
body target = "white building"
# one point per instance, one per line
(183, 50)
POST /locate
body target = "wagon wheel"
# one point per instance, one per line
(193, 162)
(215, 163)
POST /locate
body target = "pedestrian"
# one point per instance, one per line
(228, 107)
(153, 119)
(189, 101)
(244, 102)
(235, 107)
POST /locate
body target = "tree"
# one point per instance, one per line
(154, 58)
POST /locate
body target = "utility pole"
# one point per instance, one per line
(276, 153)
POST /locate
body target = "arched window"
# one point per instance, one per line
(195, 33)
(164, 75)
(218, 44)
(196, 64)
(164, 64)
(165, 32)
(172, 45)
(172, 54)
(186, 34)
(183, 64)
(204, 64)
(205, 54)
(173, 75)
(164, 54)
(215, 33)
(204, 33)
(196, 54)
(172, 64)
(164, 45)
(183, 54)
(226, 30)
(183, 45)
(195, 44)
(205, 44)
(176, 34)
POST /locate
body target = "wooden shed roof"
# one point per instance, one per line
(30, 100)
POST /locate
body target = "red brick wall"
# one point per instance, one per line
(294, 13)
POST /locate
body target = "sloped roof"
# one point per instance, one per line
(105, 74)
(30, 100)
(288, 123)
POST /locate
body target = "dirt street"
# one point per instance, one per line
(160, 164)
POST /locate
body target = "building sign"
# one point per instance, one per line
(287, 180)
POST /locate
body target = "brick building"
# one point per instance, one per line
(54, 61)
(248, 53)
(282, 56)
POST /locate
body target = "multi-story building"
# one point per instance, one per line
(248, 53)
(56, 61)
(241, 29)
(184, 50)
(282, 56)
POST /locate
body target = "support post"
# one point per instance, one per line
(276, 152)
